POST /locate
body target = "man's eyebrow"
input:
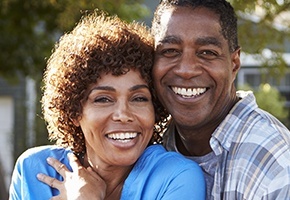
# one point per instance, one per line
(200, 41)
(170, 40)
(208, 41)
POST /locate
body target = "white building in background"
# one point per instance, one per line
(17, 114)
(6, 136)
(251, 74)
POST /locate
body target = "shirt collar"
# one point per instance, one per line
(229, 130)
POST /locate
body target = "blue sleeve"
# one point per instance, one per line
(24, 183)
(187, 184)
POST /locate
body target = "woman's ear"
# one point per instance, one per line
(76, 122)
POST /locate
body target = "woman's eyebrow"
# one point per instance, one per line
(108, 88)
(137, 87)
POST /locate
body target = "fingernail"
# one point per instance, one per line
(39, 176)
(49, 160)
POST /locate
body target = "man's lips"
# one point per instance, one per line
(188, 92)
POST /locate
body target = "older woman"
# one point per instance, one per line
(99, 103)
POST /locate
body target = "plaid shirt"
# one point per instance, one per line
(253, 150)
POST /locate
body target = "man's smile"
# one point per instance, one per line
(188, 92)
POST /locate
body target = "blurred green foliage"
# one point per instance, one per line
(29, 28)
(270, 99)
(265, 24)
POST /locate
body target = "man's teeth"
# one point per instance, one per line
(122, 136)
(188, 92)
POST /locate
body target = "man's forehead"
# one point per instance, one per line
(175, 19)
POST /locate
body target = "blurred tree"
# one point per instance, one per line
(29, 28)
(270, 99)
(264, 30)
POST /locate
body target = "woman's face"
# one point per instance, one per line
(117, 119)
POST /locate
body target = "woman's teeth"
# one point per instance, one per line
(122, 136)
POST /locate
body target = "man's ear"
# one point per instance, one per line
(236, 60)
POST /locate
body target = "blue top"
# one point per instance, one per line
(156, 175)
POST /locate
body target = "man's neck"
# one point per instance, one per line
(193, 144)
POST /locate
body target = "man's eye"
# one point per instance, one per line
(170, 53)
(207, 54)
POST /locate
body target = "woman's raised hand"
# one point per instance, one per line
(80, 184)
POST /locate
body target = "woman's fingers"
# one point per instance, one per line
(52, 182)
(58, 166)
(74, 162)
(80, 183)
(79, 169)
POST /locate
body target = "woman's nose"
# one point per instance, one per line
(122, 113)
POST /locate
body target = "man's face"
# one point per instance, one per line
(194, 69)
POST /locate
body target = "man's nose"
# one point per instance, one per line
(189, 66)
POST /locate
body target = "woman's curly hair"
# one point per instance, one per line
(98, 44)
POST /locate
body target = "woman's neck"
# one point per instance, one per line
(114, 177)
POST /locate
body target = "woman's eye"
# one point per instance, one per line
(102, 100)
(140, 99)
